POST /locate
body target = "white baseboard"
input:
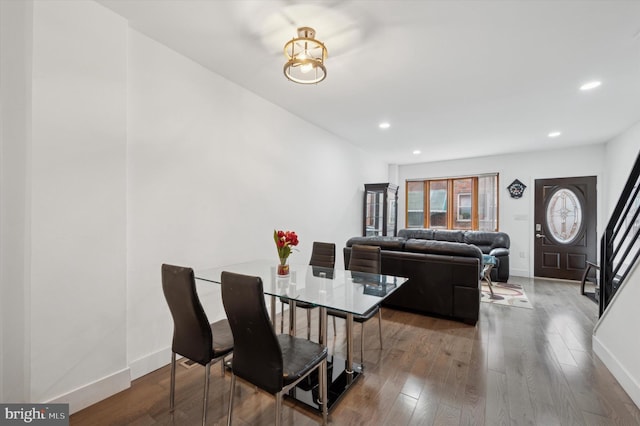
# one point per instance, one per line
(626, 380)
(519, 272)
(91, 393)
(94, 392)
(150, 362)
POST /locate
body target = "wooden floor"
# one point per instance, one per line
(515, 367)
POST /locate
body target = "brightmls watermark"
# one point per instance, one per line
(34, 414)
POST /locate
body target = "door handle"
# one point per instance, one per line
(541, 236)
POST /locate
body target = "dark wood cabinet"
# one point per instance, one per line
(380, 215)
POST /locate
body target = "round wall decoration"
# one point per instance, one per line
(516, 189)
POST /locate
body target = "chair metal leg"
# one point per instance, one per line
(207, 371)
(308, 324)
(583, 281)
(233, 389)
(172, 388)
(281, 317)
(380, 325)
(362, 343)
(487, 277)
(278, 396)
(334, 326)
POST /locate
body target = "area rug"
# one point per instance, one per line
(508, 294)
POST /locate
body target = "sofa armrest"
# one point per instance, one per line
(500, 251)
(501, 240)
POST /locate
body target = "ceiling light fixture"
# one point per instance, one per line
(305, 58)
(384, 125)
(590, 85)
(417, 152)
(554, 134)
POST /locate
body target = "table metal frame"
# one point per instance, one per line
(266, 270)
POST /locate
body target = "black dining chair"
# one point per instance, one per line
(193, 336)
(322, 255)
(363, 259)
(274, 363)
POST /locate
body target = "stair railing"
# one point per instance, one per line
(620, 243)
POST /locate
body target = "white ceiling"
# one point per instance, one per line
(454, 78)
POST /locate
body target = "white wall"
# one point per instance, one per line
(77, 207)
(136, 156)
(516, 215)
(15, 142)
(611, 340)
(212, 170)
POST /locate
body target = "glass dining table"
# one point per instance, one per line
(351, 292)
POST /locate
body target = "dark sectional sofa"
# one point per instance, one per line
(444, 276)
(491, 243)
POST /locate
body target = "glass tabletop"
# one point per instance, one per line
(347, 291)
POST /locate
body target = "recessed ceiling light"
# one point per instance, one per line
(554, 134)
(590, 85)
(416, 152)
(384, 125)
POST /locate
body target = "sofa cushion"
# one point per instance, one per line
(443, 248)
(385, 243)
(487, 240)
(418, 233)
(448, 235)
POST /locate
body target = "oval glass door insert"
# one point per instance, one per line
(564, 216)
